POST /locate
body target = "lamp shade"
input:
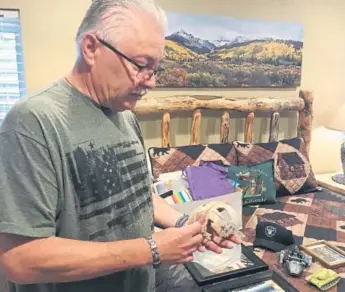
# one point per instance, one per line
(337, 121)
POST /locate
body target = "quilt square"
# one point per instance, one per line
(301, 200)
(320, 233)
(328, 196)
(323, 222)
(291, 221)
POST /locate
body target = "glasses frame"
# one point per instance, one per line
(156, 72)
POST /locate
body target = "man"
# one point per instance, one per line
(76, 211)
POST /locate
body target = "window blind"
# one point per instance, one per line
(12, 81)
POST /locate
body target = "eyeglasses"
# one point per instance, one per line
(143, 71)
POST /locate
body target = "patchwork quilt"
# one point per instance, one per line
(310, 217)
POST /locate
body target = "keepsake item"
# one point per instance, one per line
(329, 255)
(294, 261)
(323, 278)
(219, 217)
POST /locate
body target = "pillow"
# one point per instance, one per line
(256, 181)
(293, 173)
(169, 159)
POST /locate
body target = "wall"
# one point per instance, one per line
(49, 28)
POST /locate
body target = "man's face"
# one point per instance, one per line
(118, 83)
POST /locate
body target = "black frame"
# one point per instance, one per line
(259, 266)
(249, 280)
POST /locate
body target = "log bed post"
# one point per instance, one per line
(305, 118)
(224, 127)
(166, 130)
(274, 127)
(195, 131)
(248, 134)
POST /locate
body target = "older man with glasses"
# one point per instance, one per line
(76, 210)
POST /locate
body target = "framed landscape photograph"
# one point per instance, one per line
(326, 253)
(249, 263)
(210, 51)
(262, 281)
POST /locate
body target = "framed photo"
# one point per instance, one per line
(249, 263)
(262, 281)
(326, 253)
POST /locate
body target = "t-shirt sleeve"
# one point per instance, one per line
(29, 194)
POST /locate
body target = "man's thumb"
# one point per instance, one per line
(201, 218)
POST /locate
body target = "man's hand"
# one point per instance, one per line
(217, 243)
(177, 245)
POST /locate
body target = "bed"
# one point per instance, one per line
(313, 215)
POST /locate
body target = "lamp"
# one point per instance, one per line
(337, 123)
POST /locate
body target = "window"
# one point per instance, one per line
(12, 82)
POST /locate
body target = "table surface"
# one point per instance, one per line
(325, 180)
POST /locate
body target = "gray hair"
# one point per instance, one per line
(107, 18)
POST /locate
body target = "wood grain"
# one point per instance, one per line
(274, 127)
(305, 118)
(195, 131)
(184, 103)
(166, 130)
(248, 132)
(224, 127)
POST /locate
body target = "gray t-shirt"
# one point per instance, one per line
(72, 169)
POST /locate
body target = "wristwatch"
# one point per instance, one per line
(155, 253)
(182, 220)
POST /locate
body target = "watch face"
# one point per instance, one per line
(294, 267)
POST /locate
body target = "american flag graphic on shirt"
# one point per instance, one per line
(112, 187)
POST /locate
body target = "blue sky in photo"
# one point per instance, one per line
(211, 27)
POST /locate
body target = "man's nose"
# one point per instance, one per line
(150, 82)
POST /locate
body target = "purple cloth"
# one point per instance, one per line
(208, 181)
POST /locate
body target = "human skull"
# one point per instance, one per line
(219, 217)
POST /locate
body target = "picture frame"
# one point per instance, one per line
(262, 281)
(213, 51)
(326, 253)
(249, 263)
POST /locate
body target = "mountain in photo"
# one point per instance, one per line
(193, 62)
(182, 45)
(191, 42)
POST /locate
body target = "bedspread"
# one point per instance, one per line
(311, 217)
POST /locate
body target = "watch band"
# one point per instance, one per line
(182, 220)
(155, 253)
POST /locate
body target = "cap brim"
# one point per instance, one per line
(268, 244)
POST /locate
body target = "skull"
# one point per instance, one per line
(219, 217)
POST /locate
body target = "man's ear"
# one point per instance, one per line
(89, 47)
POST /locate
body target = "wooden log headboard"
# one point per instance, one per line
(303, 104)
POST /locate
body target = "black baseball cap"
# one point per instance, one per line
(272, 236)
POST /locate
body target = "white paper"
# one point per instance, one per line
(215, 262)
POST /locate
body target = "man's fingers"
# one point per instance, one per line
(210, 245)
(201, 218)
(217, 239)
(235, 238)
(192, 229)
(187, 259)
(196, 240)
(201, 248)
